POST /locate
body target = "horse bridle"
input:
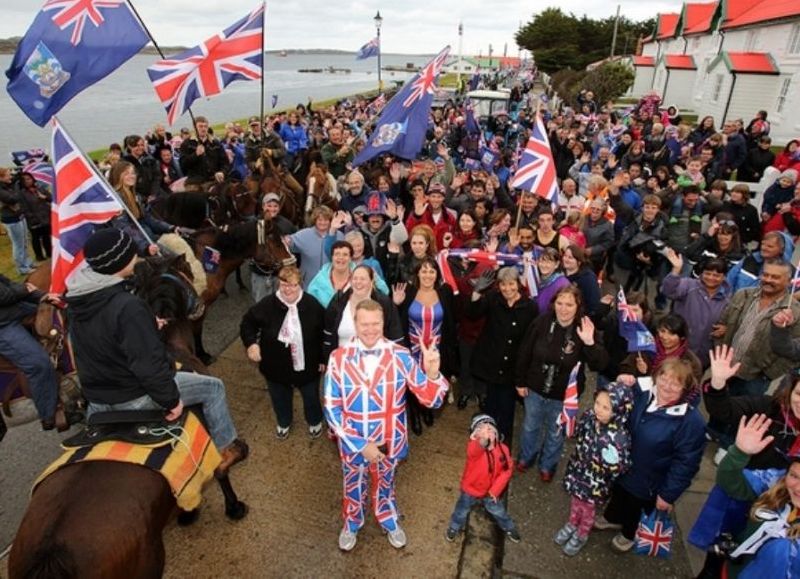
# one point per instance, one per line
(194, 306)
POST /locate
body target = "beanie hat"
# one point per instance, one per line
(108, 251)
(790, 174)
(480, 419)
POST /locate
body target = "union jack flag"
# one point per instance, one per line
(76, 12)
(42, 171)
(425, 82)
(377, 104)
(82, 199)
(796, 280)
(654, 535)
(569, 410)
(536, 170)
(626, 313)
(203, 71)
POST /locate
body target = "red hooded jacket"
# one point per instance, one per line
(487, 472)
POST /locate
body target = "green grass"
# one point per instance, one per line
(7, 267)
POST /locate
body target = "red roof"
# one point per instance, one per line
(736, 13)
(644, 61)
(679, 61)
(747, 62)
(697, 17)
(666, 24)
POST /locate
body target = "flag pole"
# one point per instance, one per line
(105, 181)
(158, 49)
(263, 57)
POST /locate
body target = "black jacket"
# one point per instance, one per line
(10, 206)
(16, 302)
(118, 351)
(201, 168)
(261, 324)
(748, 220)
(392, 330)
(448, 345)
(495, 355)
(547, 343)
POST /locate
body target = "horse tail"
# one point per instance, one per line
(51, 560)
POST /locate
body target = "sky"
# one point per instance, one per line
(410, 27)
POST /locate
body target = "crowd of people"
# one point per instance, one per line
(436, 270)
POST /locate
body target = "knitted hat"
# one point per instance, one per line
(790, 174)
(479, 419)
(108, 251)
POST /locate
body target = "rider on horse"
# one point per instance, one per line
(264, 277)
(203, 159)
(18, 301)
(260, 143)
(122, 362)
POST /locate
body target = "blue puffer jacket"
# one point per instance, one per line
(747, 272)
(667, 447)
(294, 137)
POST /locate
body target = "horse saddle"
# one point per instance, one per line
(146, 427)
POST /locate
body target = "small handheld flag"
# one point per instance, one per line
(536, 170)
(632, 329)
(569, 410)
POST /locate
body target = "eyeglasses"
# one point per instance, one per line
(728, 222)
(285, 283)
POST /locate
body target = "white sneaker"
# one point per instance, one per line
(601, 524)
(620, 544)
(347, 540)
(315, 431)
(397, 538)
(721, 453)
(282, 433)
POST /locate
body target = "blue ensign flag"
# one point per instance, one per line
(404, 121)
(71, 45)
(370, 49)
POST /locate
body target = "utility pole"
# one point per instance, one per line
(460, 61)
(614, 38)
(490, 57)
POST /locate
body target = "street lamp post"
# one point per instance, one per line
(378, 21)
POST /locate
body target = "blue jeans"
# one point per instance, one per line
(541, 414)
(21, 348)
(262, 286)
(194, 389)
(18, 234)
(495, 508)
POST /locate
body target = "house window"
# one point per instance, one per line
(717, 89)
(782, 94)
(794, 40)
(750, 41)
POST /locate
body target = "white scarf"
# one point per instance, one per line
(291, 332)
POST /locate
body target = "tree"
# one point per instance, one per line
(609, 81)
(560, 40)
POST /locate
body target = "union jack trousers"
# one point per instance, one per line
(363, 407)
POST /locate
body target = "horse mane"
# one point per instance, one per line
(235, 240)
(167, 300)
(51, 559)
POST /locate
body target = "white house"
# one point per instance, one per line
(728, 59)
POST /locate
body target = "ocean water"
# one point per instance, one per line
(125, 103)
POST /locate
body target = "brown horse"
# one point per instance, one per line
(275, 179)
(258, 240)
(101, 519)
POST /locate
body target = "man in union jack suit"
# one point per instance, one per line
(365, 404)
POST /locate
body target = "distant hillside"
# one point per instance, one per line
(9, 46)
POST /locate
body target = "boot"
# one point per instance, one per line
(234, 453)
(414, 418)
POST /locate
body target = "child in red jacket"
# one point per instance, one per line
(486, 475)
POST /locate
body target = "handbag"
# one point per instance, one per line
(654, 534)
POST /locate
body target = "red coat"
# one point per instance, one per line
(487, 472)
(447, 223)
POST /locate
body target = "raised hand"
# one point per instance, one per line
(431, 359)
(399, 293)
(722, 366)
(484, 281)
(513, 237)
(586, 331)
(391, 209)
(492, 244)
(447, 239)
(675, 259)
(751, 437)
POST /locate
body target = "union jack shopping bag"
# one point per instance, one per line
(654, 535)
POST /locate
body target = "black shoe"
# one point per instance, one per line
(513, 536)
(416, 424)
(450, 534)
(427, 417)
(462, 401)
